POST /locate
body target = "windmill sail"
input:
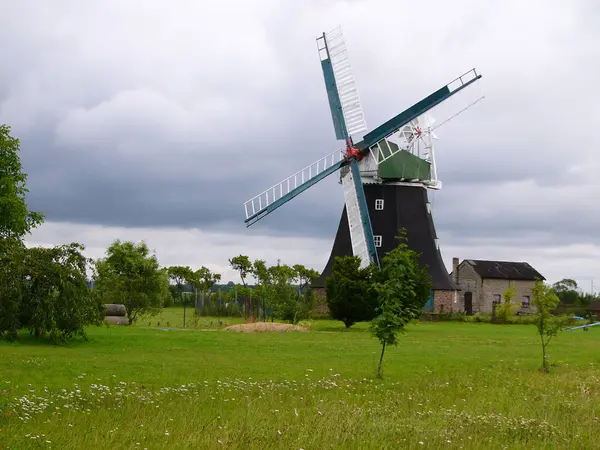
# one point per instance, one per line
(344, 102)
(395, 124)
(348, 121)
(277, 195)
(361, 233)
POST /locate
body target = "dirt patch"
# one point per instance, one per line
(265, 327)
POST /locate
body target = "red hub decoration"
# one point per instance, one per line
(353, 153)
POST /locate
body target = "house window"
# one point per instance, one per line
(377, 240)
(497, 299)
(379, 204)
(525, 301)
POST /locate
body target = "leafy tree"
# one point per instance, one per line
(567, 291)
(282, 294)
(350, 294)
(586, 298)
(180, 275)
(12, 285)
(131, 275)
(43, 289)
(15, 218)
(264, 286)
(204, 279)
(545, 300)
(507, 308)
(57, 299)
(275, 290)
(242, 264)
(305, 276)
(306, 296)
(403, 287)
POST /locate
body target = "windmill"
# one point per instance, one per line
(384, 174)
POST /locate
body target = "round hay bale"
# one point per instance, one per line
(112, 309)
(265, 327)
(116, 320)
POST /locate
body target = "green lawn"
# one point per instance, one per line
(447, 385)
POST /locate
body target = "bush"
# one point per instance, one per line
(452, 316)
(351, 297)
(479, 318)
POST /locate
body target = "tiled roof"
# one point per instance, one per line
(506, 270)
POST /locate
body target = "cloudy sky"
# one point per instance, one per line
(156, 121)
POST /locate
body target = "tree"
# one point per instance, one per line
(567, 291)
(403, 287)
(56, 297)
(306, 296)
(12, 285)
(16, 220)
(505, 309)
(305, 276)
(350, 294)
(180, 275)
(545, 300)
(263, 288)
(586, 298)
(281, 293)
(242, 264)
(204, 279)
(131, 275)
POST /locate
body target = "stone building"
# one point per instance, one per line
(482, 283)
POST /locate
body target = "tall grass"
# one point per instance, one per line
(447, 385)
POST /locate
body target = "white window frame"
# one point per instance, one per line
(377, 240)
(379, 204)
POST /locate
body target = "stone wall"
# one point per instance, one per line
(445, 301)
(320, 301)
(493, 287)
(468, 280)
(484, 290)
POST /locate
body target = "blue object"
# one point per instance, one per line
(429, 305)
(583, 326)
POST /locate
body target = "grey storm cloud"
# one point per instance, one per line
(139, 114)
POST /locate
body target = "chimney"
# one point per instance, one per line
(455, 263)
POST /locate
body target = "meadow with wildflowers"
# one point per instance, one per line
(446, 385)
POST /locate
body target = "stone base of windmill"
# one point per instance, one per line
(115, 314)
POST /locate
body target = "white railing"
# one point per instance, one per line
(260, 202)
(462, 80)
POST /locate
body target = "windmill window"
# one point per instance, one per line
(379, 204)
(497, 299)
(525, 301)
(377, 240)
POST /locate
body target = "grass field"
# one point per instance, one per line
(173, 317)
(447, 385)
